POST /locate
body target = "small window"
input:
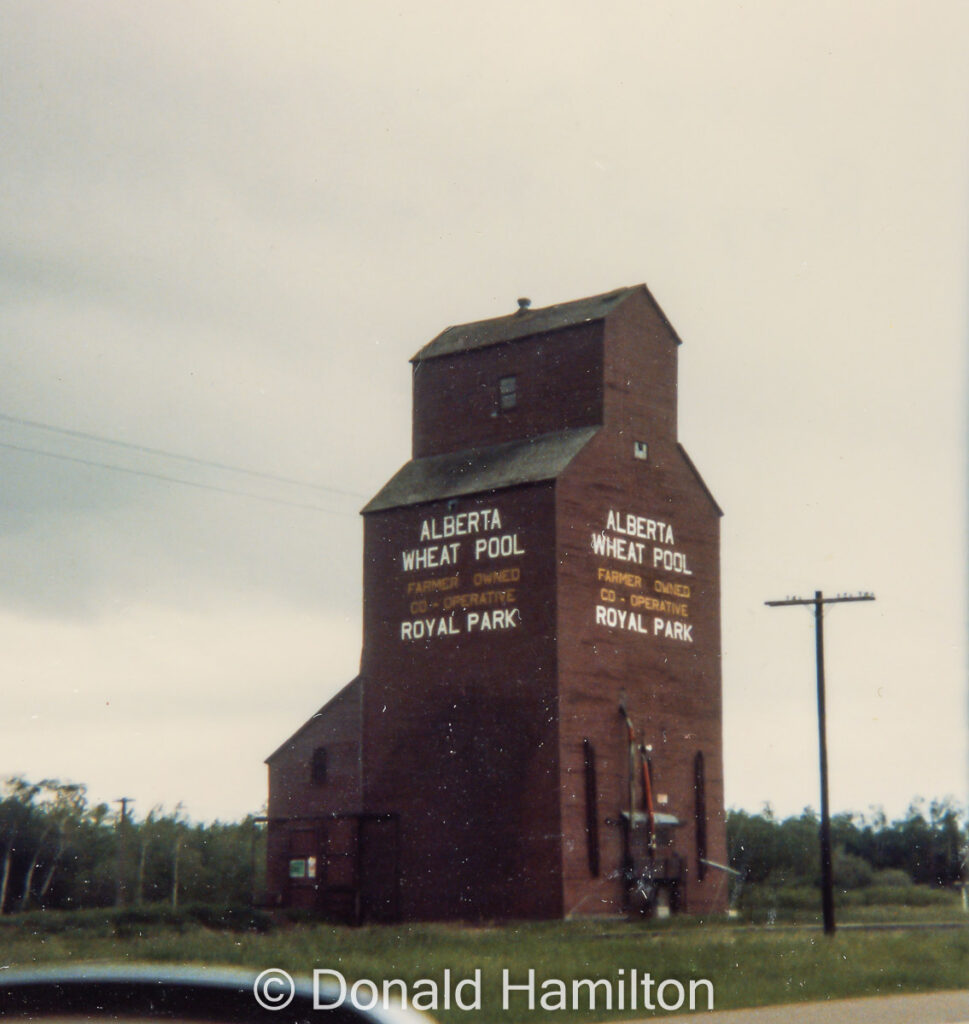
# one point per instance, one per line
(297, 867)
(507, 393)
(318, 766)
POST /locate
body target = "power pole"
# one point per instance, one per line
(827, 879)
(175, 852)
(121, 891)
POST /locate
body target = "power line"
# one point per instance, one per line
(824, 833)
(145, 449)
(169, 479)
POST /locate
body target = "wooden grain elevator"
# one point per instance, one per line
(535, 731)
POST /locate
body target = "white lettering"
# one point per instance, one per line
(334, 998)
(507, 988)
(680, 992)
(617, 618)
(361, 985)
(695, 983)
(425, 996)
(460, 524)
(431, 557)
(592, 986)
(553, 995)
(673, 630)
(427, 629)
(500, 618)
(474, 1001)
(591, 994)
(639, 526)
(671, 561)
(330, 991)
(505, 545)
(615, 547)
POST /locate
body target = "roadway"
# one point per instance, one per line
(928, 1008)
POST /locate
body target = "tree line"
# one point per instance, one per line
(927, 846)
(59, 851)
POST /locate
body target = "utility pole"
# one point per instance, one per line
(121, 892)
(175, 852)
(827, 880)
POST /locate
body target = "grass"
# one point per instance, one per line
(802, 905)
(747, 966)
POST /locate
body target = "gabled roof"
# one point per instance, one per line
(521, 324)
(481, 469)
(699, 479)
(357, 681)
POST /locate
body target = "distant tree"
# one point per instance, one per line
(22, 831)
(927, 845)
(751, 844)
(950, 841)
(58, 807)
(145, 834)
(798, 854)
(850, 871)
(89, 877)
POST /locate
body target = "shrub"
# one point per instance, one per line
(899, 896)
(232, 918)
(892, 878)
(851, 872)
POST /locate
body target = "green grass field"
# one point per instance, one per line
(747, 965)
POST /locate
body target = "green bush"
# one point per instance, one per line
(129, 922)
(892, 878)
(766, 904)
(850, 871)
(55, 922)
(233, 918)
(764, 898)
(898, 896)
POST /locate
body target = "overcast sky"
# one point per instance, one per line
(225, 228)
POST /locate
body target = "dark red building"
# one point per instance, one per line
(536, 727)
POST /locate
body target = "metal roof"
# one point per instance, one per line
(474, 470)
(521, 324)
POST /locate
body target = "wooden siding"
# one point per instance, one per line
(558, 387)
(671, 686)
(292, 792)
(461, 727)
(475, 738)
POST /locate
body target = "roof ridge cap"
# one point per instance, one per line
(461, 337)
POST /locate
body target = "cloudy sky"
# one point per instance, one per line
(225, 228)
